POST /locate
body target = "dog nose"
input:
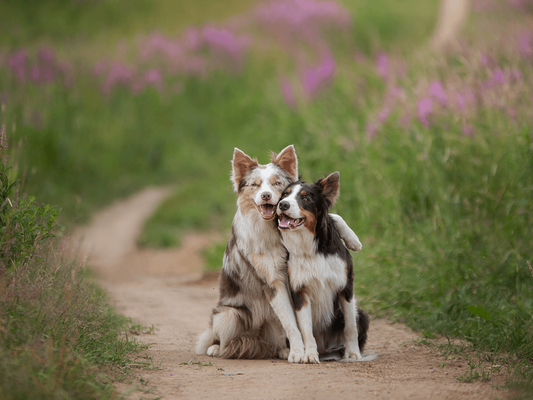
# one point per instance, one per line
(284, 205)
(266, 196)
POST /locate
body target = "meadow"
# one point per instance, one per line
(434, 149)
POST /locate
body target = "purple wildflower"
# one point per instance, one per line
(158, 43)
(224, 41)
(99, 68)
(316, 77)
(371, 130)
(192, 38)
(288, 94)
(118, 73)
(498, 76)
(461, 101)
(17, 62)
(425, 108)
(382, 65)
(46, 58)
(484, 59)
(437, 92)
(468, 129)
(153, 76)
(525, 44)
(383, 114)
(299, 15)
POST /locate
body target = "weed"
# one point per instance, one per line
(190, 362)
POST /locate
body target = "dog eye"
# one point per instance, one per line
(277, 184)
(255, 184)
(304, 198)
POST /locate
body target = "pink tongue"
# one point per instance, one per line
(267, 211)
(284, 222)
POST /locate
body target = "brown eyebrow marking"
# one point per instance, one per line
(274, 179)
(304, 193)
(288, 190)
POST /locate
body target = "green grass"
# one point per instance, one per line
(59, 337)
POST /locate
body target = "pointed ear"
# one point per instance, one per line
(287, 161)
(241, 164)
(330, 187)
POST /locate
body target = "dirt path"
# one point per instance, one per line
(163, 288)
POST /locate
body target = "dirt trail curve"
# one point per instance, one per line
(163, 288)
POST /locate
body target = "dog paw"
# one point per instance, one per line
(353, 244)
(284, 353)
(295, 356)
(356, 355)
(214, 350)
(310, 358)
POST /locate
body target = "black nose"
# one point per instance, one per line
(266, 196)
(284, 205)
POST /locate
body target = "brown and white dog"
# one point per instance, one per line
(254, 315)
(321, 273)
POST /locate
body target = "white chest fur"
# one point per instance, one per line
(261, 244)
(323, 276)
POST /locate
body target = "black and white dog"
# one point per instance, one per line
(321, 273)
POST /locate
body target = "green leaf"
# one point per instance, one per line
(479, 312)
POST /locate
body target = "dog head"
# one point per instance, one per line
(303, 205)
(259, 187)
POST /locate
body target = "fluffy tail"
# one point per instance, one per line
(248, 346)
(363, 322)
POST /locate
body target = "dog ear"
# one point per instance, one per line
(287, 161)
(330, 187)
(241, 164)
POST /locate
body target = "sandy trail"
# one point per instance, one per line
(163, 288)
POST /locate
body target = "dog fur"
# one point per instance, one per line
(321, 272)
(255, 315)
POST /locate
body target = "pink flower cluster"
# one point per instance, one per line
(291, 25)
(44, 68)
(486, 86)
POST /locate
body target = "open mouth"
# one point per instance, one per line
(286, 222)
(267, 211)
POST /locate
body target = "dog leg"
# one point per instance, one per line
(305, 323)
(281, 304)
(349, 309)
(347, 234)
(205, 341)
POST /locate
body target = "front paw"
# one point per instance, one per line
(283, 354)
(295, 356)
(213, 351)
(310, 358)
(355, 354)
(353, 244)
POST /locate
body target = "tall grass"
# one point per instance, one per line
(58, 333)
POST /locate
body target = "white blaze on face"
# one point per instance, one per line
(267, 184)
(289, 212)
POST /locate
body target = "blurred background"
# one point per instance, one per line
(425, 108)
